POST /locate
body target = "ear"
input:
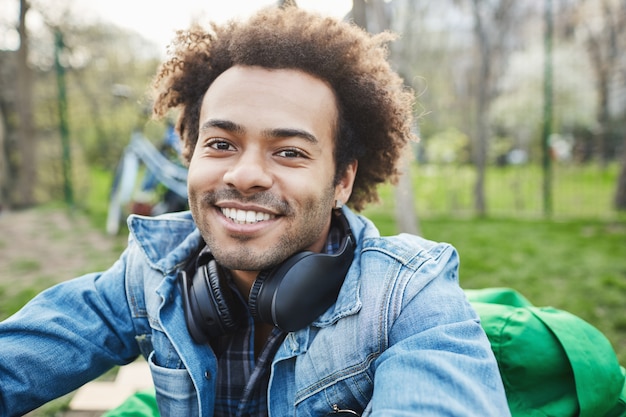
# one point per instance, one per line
(343, 189)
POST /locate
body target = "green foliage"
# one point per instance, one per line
(519, 106)
(97, 203)
(108, 72)
(449, 146)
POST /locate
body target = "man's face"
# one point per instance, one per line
(261, 177)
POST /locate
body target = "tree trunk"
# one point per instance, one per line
(480, 144)
(372, 16)
(4, 170)
(26, 172)
(603, 118)
(406, 215)
(620, 191)
(603, 49)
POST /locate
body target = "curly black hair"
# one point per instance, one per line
(375, 108)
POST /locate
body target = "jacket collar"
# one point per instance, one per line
(167, 240)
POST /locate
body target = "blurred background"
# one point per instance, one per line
(521, 104)
(521, 116)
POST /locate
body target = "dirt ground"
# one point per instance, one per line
(42, 246)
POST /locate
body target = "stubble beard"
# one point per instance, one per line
(302, 228)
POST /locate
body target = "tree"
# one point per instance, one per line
(375, 16)
(26, 174)
(4, 169)
(602, 25)
(108, 72)
(493, 24)
(620, 190)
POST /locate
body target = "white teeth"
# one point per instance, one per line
(245, 216)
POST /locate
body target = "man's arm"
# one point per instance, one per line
(63, 338)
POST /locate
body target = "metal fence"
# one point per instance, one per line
(517, 191)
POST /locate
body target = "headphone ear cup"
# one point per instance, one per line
(210, 309)
(223, 300)
(190, 306)
(262, 298)
(253, 297)
(296, 292)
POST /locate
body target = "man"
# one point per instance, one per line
(271, 297)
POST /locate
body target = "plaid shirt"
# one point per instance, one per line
(242, 381)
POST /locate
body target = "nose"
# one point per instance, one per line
(249, 172)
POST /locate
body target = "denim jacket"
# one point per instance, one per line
(401, 339)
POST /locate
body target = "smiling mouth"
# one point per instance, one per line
(245, 216)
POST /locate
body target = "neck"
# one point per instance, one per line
(244, 280)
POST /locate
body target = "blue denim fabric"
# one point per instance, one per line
(400, 340)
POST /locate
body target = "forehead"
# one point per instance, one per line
(271, 96)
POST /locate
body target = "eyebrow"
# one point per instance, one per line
(290, 133)
(224, 125)
(277, 133)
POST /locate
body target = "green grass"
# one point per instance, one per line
(10, 304)
(25, 265)
(97, 204)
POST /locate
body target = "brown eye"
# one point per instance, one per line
(220, 145)
(290, 153)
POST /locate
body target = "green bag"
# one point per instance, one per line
(141, 404)
(552, 363)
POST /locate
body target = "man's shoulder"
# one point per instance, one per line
(407, 248)
(404, 247)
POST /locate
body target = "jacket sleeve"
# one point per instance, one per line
(63, 338)
(438, 361)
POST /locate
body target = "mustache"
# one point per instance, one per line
(262, 198)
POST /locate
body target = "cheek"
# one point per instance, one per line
(313, 190)
(200, 175)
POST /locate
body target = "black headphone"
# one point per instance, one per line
(289, 296)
